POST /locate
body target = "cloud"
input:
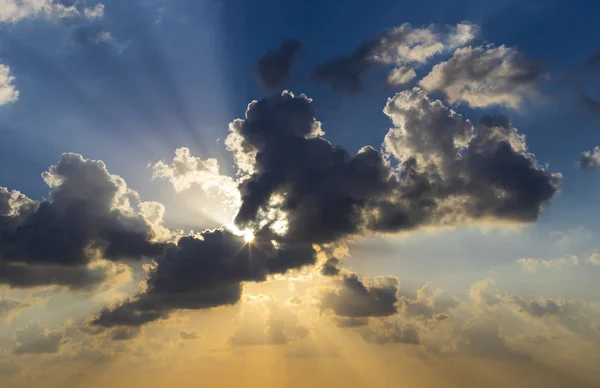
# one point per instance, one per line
(10, 308)
(385, 332)
(453, 170)
(205, 271)
(401, 76)
(533, 265)
(590, 160)
(274, 67)
(186, 170)
(429, 304)
(594, 258)
(15, 10)
(483, 76)
(125, 333)
(189, 335)
(363, 298)
(94, 13)
(8, 91)
(403, 45)
(37, 339)
(538, 308)
(90, 215)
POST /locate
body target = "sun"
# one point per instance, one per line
(248, 236)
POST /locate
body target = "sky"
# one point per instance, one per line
(284, 193)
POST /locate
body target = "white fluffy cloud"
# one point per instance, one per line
(483, 76)
(590, 160)
(8, 91)
(15, 10)
(401, 75)
(186, 170)
(406, 44)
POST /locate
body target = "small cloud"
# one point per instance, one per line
(189, 335)
(8, 91)
(590, 160)
(94, 13)
(534, 265)
(594, 258)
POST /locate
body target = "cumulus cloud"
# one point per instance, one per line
(460, 171)
(186, 170)
(403, 45)
(89, 215)
(533, 265)
(363, 298)
(590, 160)
(8, 91)
(274, 67)
(15, 10)
(429, 303)
(449, 171)
(483, 76)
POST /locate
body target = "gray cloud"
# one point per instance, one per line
(274, 67)
(361, 298)
(391, 332)
(538, 308)
(206, 271)
(37, 339)
(89, 215)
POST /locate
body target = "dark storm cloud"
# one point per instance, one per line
(274, 68)
(206, 271)
(449, 171)
(88, 214)
(357, 299)
(21, 275)
(325, 188)
(590, 160)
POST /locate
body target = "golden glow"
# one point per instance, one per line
(248, 236)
